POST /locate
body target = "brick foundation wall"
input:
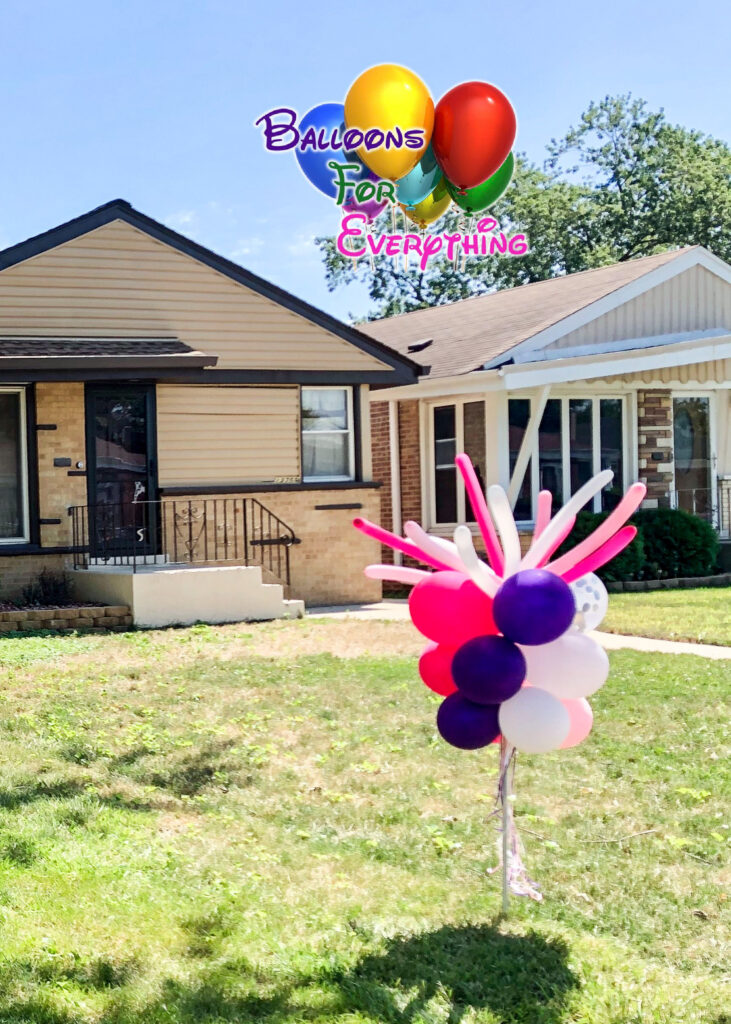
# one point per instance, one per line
(410, 460)
(18, 571)
(655, 445)
(327, 566)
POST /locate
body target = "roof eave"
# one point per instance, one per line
(405, 370)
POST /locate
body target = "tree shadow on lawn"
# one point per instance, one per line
(520, 979)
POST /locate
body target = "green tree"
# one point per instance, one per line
(622, 183)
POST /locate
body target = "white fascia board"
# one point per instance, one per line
(524, 351)
(627, 345)
(460, 384)
(564, 371)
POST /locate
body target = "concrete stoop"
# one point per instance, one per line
(166, 596)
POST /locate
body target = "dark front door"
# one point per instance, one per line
(121, 469)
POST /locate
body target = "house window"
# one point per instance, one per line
(459, 427)
(328, 449)
(577, 437)
(518, 416)
(13, 477)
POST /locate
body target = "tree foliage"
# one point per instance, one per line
(622, 183)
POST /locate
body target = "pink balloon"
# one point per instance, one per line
(581, 718)
(435, 668)
(449, 608)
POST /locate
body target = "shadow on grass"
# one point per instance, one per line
(449, 974)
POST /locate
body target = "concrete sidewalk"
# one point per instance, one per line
(399, 610)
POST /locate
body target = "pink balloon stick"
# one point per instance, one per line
(482, 513)
(558, 540)
(629, 503)
(602, 555)
(396, 573)
(390, 540)
(543, 513)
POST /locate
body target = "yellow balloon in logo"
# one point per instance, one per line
(381, 100)
(431, 208)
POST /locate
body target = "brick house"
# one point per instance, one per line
(626, 367)
(161, 407)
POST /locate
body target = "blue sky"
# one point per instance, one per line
(155, 101)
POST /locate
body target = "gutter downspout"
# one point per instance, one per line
(395, 456)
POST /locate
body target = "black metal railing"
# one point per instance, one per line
(182, 531)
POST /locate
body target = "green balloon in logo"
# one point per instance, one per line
(474, 200)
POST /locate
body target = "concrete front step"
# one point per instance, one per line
(165, 596)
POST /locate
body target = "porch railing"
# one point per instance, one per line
(182, 531)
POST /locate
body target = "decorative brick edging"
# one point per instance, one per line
(67, 620)
(685, 583)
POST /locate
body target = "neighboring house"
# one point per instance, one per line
(160, 405)
(626, 366)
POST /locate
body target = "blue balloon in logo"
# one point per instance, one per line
(421, 181)
(326, 119)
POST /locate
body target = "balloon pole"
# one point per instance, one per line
(505, 757)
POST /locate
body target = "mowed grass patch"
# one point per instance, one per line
(701, 615)
(192, 830)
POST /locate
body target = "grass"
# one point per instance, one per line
(230, 824)
(701, 615)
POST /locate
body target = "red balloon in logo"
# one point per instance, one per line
(474, 130)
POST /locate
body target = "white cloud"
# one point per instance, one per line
(182, 219)
(247, 247)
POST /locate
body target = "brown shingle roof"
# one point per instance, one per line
(467, 334)
(85, 347)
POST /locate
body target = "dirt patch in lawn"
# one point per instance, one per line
(345, 638)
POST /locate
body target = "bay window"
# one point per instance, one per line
(13, 476)
(577, 438)
(328, 447)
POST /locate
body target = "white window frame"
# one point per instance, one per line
(23, 434)
(459, 404)
(712, 440)
(350, 431)
(565, 398)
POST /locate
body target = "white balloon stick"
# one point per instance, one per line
(396, 573)
(503, 516)
(437, 547)
(480, 573)
(540, 547)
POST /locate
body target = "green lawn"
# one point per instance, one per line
(197, 826)
(702, 615)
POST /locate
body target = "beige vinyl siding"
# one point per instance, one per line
(116, 281)
(227, 435)
(695, 300)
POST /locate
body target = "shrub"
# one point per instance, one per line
(676, 543)
(628, 565)
(48, 589)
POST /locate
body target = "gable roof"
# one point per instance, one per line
(405, 369)
(464, 336)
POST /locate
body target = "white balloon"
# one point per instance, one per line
(534, 721)
(571, 667)
(592, 601)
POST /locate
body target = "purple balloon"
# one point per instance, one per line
(488, 669)
(534, 607)
(466, 725)
(371, 208)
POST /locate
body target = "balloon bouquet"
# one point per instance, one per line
(509, 649)
(465, 157)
